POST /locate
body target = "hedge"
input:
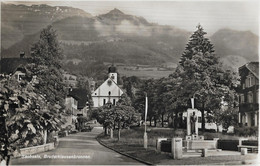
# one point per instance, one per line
(250, 142)
(246, 131)
(228, 145)
(166, 146)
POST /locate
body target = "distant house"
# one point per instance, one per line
(109, 91)
(71, 104)
(248, 94)
(14, 66)
(82, 98)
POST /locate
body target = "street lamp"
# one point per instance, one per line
(145, 115)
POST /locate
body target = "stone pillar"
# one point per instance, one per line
(216, 145)
(145, 140)
(204, 152)
(188, 122)
(239, 117)
(177, 148)
(111, 133)
(243, 151)
(158, 143)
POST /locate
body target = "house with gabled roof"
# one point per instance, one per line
(248, 94)
(108, 92)
(14, 66)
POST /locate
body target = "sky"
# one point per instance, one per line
(211, 14)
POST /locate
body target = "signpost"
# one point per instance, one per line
(145, 115)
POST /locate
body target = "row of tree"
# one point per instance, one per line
(200, 75)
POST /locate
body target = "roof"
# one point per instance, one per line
(112, 69)
(10, 65)
(253, 67)
(81, 95)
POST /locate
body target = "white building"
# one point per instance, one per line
(109, 91)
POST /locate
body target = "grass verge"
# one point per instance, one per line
(131, 144)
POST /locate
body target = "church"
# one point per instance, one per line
(109, 91)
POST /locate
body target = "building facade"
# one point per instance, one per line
(248, 94)
(109, 91)
(71, 104)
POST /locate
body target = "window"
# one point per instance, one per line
(114, 101)
(250, 97)
(242, 98)
(104, 101)
(109, 93)
(243, 86)
(249, 81)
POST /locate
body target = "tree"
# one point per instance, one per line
(124, 113)
(147, 88)
(46, 65)
(23, 117)
(120, 115)
(229, 118)
(203, 76)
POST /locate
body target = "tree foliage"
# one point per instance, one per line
(121, 115)
(203, 76)
(46, 65)
(23, 116)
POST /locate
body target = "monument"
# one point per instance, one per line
(193, 140)
(192, 120)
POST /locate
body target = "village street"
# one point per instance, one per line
(80, 144)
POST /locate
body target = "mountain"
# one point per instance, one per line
(18, 21)
(229, 42)
(114, 36)
(122, 38)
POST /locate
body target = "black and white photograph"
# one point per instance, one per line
(121, 82)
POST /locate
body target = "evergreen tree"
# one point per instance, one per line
(46, 65)
(197, 43)
(203, 77)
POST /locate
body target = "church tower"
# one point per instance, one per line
(112, 73)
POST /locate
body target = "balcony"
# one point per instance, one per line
(248, 107)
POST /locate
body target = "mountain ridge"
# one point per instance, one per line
(142, 41)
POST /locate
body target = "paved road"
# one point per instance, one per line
(81, 145)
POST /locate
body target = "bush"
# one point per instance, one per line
(246, 131)
(250, 142)
(228, 144)
(166, 146)
(208, 130)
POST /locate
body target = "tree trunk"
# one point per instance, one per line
(8, 160)
(150, 121)
(45, 137)
(203, 120)
(105, 131)
(155, 121)
(162, 120)
(119, 128)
